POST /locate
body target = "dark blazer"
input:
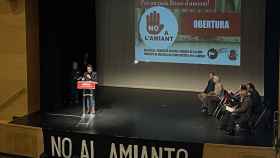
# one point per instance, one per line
(210, 86)
(93, 76)
(245, 105)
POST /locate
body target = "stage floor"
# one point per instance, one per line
(147, 114)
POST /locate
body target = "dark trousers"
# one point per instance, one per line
(230, 119)
(212, 103)
(89, 99)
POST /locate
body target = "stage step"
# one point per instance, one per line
(235, 151)
(28, 141)
(21, 140)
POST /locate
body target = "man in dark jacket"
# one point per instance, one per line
(239, 114)
(256, 98)
(210, 85)
(209, 89)
(257, 107)
(75, 75)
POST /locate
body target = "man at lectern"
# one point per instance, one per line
(89, 94)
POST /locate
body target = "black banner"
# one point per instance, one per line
(78, 145)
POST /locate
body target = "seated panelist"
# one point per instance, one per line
(255, 96)
(239, 113)
(257, 106)
(219, 96)
(210, 88)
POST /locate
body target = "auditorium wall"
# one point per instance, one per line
(13, 66)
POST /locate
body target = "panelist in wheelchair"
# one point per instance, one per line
(238, 114)
(219, 97)
(235, 96)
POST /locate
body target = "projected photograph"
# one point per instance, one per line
(188, 31)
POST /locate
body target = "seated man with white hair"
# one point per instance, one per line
(219, 97)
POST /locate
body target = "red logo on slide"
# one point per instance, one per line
(232, 55)
(153, 23)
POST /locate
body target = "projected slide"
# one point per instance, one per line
(188, 31)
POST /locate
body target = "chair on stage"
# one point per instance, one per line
(218, 112)
(256, 119)
(220, 108)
